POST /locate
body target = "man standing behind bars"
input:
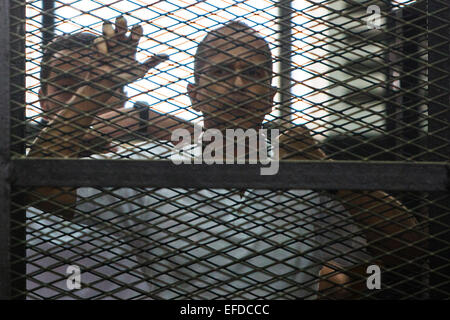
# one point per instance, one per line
(216, 243)
(68, 61)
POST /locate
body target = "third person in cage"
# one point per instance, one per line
(217, 243)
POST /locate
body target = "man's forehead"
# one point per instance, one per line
(230, 51)
(235, 42)
(225, 60)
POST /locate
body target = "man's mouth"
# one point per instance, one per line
(239, 99)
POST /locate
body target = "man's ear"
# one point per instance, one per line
(192, 93)
(273, 93)
(40, 95)
(43, 101)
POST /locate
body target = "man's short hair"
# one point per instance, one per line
(66, 42)
(237, 27)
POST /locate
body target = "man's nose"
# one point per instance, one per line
(239, 81)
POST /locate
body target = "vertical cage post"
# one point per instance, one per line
(438, 14)
(403, 112)
(285, 23)
(5, 258)
(48, 21)
(410, 102)
(17, 133)
(406, 27)
(389, 59)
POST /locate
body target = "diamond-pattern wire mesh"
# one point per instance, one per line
(340, 77)
(360, 91)
(185, 243)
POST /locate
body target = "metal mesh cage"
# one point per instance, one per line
(116, 171)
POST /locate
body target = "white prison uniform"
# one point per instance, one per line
(54, 244)
(206, 244)
(105, 262)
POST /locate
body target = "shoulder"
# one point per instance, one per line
(298, 143)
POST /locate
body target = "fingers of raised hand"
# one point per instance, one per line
(101, 46)
(116, 36)
(108, 30)
(121, 29)
(108, 34)
(103, 42)
(119, 51)
(155, 60)
(134, 70)
(113, 39)
(135, 35)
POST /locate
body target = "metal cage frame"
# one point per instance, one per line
(432, 176)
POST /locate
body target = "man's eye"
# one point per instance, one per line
(254, 73)
(67, 86)
(218, 72)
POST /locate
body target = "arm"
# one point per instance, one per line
(62, 138)
(391, 225)
(125, 121)
(64, 134)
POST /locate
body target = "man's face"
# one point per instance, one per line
(234, 86)
(65, 78)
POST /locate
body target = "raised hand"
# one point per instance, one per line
(116, 54)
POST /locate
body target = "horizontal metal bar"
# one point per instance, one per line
(333, 175)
